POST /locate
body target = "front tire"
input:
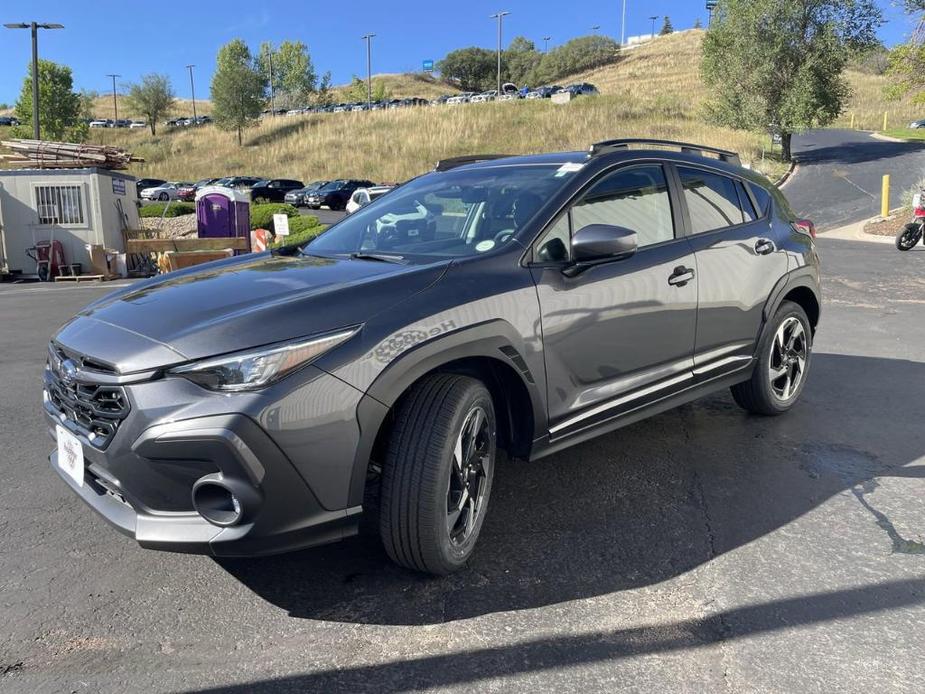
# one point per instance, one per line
(908, 236)
(784, 357)
(437, 474)
(163, 197)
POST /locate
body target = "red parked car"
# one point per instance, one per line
(188, 193)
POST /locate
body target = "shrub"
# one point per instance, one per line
(303, 235)
(174, 209)
(262, 215)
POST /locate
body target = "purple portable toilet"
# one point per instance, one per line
(222, 213)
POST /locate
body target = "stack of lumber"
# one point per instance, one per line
(65, 155)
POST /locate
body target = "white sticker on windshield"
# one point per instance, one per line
(483, 246)
(570, 167)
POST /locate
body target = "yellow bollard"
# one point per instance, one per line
(885, 197)
(885, 114)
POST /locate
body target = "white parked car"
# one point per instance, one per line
(363, 196)
(99, 123)
(490, 95)
(165, 191)
(137, 124)
(463, 98)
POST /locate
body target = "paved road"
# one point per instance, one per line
(702, 550)
(839, 178)
(324, 216)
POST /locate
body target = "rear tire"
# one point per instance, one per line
(437, 473)
(784, 357)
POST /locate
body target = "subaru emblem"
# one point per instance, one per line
(68, 371)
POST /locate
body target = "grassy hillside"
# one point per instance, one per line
(406, 84)
(102, 108)
(654, 91)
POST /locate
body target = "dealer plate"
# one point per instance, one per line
(70, 455)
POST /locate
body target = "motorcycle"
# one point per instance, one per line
(910, 234)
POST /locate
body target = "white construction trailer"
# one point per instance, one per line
(74, 206)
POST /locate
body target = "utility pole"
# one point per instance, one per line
(369, 70)
(192, 89)
(546, 41)
(500, 17)
(595, 28)
(623, 26)
(654, 19)
(115, 105)
(270, 69)
(35, 26)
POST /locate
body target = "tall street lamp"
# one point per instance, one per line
(623, 26)
(654, 19)
(192, 88)
(546, 42)
(369, 70)
(115, 105)
(500, 17)
(35, 26)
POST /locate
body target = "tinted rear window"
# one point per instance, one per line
(762, 197)
(712, 200)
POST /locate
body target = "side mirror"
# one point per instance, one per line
(600, 243)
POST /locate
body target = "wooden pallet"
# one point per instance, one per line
(84, 278)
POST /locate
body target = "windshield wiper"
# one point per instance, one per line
(381, 257)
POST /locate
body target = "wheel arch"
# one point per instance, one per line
(801, 287)
(491, 352)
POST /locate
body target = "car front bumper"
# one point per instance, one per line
(291, 450)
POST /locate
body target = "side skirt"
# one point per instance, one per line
(547, 446)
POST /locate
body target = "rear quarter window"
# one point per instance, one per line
(762, 198)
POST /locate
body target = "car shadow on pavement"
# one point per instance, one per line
(857, 152)
(576, 650)
(636, 507)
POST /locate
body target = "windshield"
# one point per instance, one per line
(333, 185)
(446, 215)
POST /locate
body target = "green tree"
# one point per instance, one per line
(357, 90)
(237, 89)
(153, 98)
(907, 61)
(578, 55)
(294, 77)
(88, 99)
(324, 96)
(780, 63)
(667, 27)
(472, 69)
(520, 60)
(59, 105)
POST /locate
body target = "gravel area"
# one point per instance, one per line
(172, 227)
(889, 226)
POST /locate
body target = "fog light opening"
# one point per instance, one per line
(217, 504)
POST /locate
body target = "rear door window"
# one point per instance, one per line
(748, 210)
(712, 200)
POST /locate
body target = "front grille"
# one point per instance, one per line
(94, 410)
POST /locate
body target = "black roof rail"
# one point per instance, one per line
(608, 146)
(453, 162)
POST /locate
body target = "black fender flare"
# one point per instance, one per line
(494, 339)
(803, 277)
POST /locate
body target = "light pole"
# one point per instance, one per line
(35, 26)
(369, 70)
(654, 19)
(192, 89)
(270, 70)
(623, 26)
(546, 42)
(595, 28)
(115, 105)
(500, 17)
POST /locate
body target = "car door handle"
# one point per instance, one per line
(764, 247)
(681, 276)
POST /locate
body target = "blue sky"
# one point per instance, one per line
(135, 38)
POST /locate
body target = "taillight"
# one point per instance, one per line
(804, 226)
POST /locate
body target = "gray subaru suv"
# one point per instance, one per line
(521, 305)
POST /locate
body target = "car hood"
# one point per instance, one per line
(237, 304)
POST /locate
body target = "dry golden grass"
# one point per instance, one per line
(102, 108)
(404, 85)
(869, 103)
(655, 91)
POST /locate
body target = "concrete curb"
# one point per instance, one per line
(791, 172)
(855, 232)
(889, 138)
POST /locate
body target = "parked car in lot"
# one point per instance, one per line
(164, 192)
(363, 196)
(484, 97)
(9, 120)
(543, 92)
(240, 182)
(526, 304)
(916, 124)
(297, 197)
(135, 124)
(463, 98)
(101, 123)
(583, 89)
(335, 194)
(274, 190)
(187, 192)
(143, 183)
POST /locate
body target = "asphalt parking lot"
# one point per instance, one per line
(701, 550)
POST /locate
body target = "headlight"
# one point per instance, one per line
(260, 367)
